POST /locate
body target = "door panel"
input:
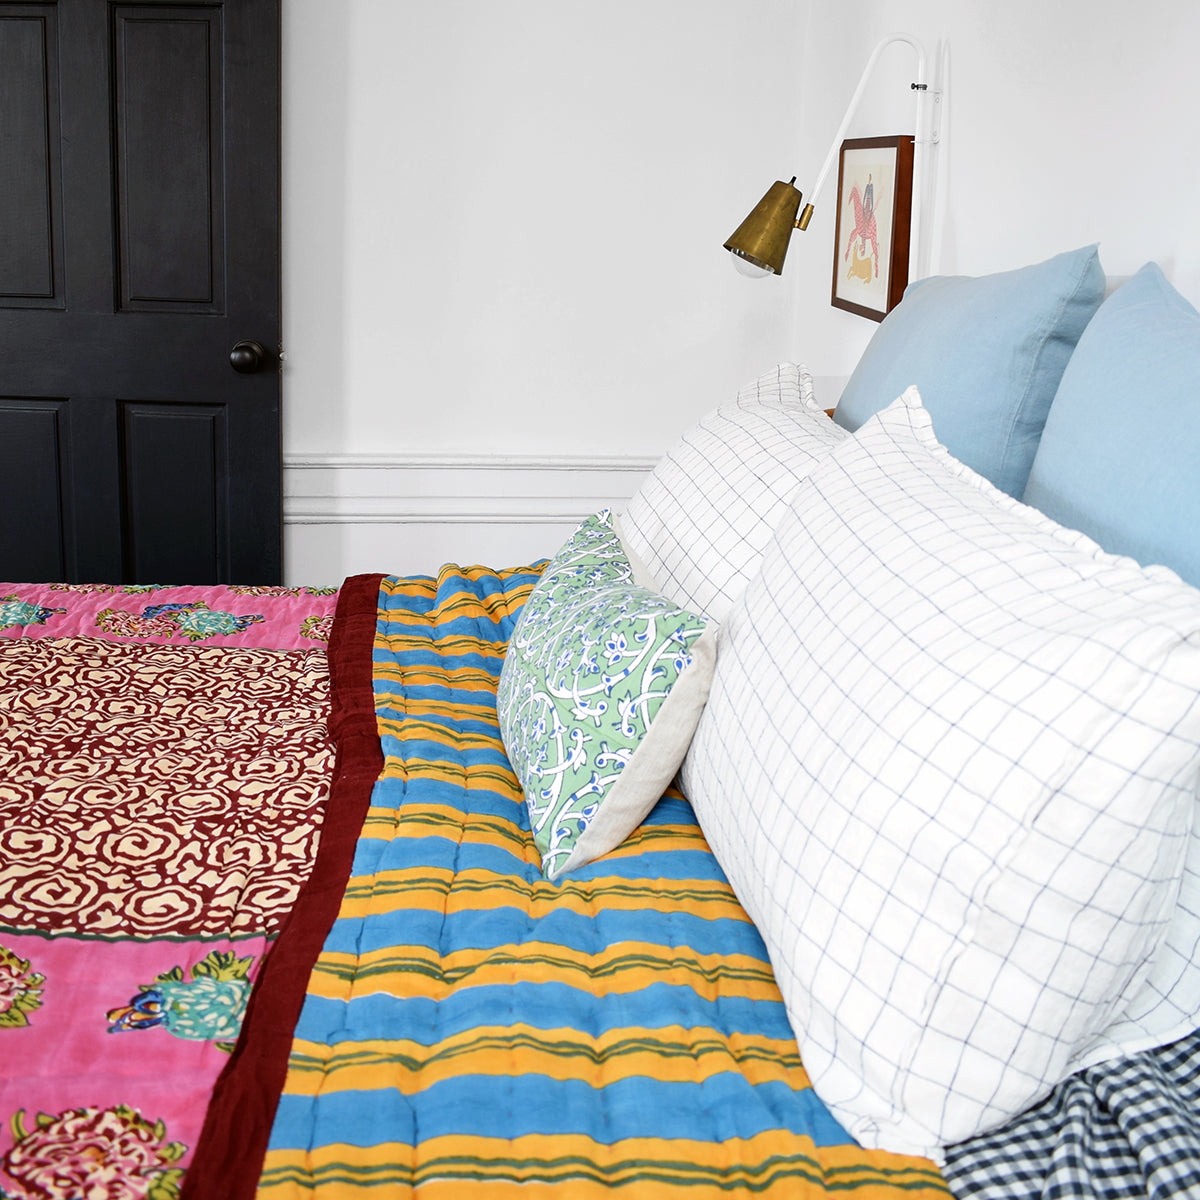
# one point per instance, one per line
(170, 214)
(30, 207)
(149, 135)
(174, 454)
(33, 454)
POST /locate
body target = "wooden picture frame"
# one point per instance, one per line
(874, 214)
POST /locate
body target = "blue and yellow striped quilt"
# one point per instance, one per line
(470, 1028)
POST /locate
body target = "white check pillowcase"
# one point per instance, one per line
(701, 520)
(949, 763)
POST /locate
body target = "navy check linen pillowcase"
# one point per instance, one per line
(949, 763)
(701, 520)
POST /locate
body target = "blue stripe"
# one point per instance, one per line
(433, 657)
(479, 799)
(542, 1005)
(402, 599)
(490, 928)
(439, 752)
(406, 600)
(672, 810)
(480, 725)
(471, 697)
(443, 853)
(719, 1109)
(677, 866)
(393, 792)
(487, 629)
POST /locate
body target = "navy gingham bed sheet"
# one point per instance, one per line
(1126, 1129)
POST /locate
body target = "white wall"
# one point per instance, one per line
(1068, 122)
(466, 184)
(502, 251)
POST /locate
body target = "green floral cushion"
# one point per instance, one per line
(601, 690)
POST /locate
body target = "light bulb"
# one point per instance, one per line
(748, 267)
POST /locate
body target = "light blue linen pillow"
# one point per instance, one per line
(987, 354)
(602, 687)
(1118, 457)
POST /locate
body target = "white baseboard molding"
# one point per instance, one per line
(472, 462)
(409, 513)
(353, 489)
(434, 510)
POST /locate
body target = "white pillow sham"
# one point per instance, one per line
(948, 762)
(700, 521)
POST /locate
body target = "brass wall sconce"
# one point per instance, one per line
(760, 242)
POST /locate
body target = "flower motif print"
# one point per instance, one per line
(15, 613)
(207, 1007)
(193, 620)
(101, 1153)
(616, 648)
(20, 989)
(317, 627)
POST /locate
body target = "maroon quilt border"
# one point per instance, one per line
(229, 1154)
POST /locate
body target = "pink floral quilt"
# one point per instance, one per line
(164, 767)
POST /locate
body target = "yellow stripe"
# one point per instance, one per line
(419, 585)
(472, 679)
(443, 890)
(776, 1165)
(672, 1054)
(457, 709)
(660, 838)
(478, 829)
(455, 643)
(428, 821)
(409, 972)
(407, 585)
(490, 776)
(496, 605)
(452, 603)
(414, 728)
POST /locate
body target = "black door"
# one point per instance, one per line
(139, 244)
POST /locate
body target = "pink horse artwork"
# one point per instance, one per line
(863, 231)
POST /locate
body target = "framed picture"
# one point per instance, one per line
(874, 198)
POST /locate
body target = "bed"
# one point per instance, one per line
(821, 823)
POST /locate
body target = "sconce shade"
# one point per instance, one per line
(762, 238)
